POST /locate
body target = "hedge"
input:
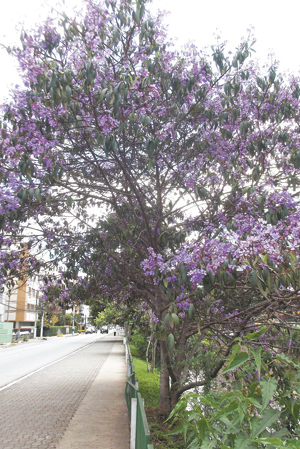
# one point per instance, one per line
(52, 331)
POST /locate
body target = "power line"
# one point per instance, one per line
(21, 310)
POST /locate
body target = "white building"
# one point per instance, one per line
(84, 311)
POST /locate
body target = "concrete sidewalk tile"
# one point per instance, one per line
(101, 421)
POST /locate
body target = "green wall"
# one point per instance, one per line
(6, 332)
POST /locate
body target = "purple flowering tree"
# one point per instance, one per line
(160, 179)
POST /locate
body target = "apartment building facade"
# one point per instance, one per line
(19, 305)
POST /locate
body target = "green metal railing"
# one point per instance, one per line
(142, 429)
(141, 434)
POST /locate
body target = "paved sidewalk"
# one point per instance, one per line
(81, 397)
(101, 420)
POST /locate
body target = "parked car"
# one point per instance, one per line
(89, 330)
(104, 330)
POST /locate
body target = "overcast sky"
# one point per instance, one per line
(276, 26)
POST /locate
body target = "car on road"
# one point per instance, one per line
(104, 330)
(89, 330)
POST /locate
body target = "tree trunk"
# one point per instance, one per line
(127, 332)
(153, 359)
(147, 354)
(164, 389)
(174, 396)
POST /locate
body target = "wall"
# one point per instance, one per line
(6, 332)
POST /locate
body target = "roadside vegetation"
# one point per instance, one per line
(149, 389)
(253, 404)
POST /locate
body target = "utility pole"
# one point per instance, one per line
(42, 320)
(8, 305)
(73, 321)
(35, 317)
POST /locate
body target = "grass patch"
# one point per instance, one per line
(149, 389)
(148, 382)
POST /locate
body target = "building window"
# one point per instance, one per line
(32, 308)
(28, 307)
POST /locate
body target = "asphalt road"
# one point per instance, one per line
(25, 358)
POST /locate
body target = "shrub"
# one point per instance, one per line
(253, 412)
(140, 342)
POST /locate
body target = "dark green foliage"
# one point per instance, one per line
(254, 411)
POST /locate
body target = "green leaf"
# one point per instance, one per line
(230, 427)
(175, 319)
(257, 357)
(163, 333)
(261, 202)
(166, 319)
(191, 310)
(202, 426)
(68, 93)
(284, 358)
(150, 148)
(268, 417)
(252, 401)
(238, 360)
(31, 193)
(165, 281)
(171, 341)
(211, 277)
(264, 258)
(208, 401)
(103, 94)
(262, 291)
(256, 335)
(38, 194)
(181, 429)
(274, 441)
(235, 350)
(296, 410)
(293, 409)
(182, 270)
(151, 163)
(232, 406)
(241, 442)
(268, 388)
(281, 433)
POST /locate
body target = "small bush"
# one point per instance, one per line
(140, 343)
(134, 351)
